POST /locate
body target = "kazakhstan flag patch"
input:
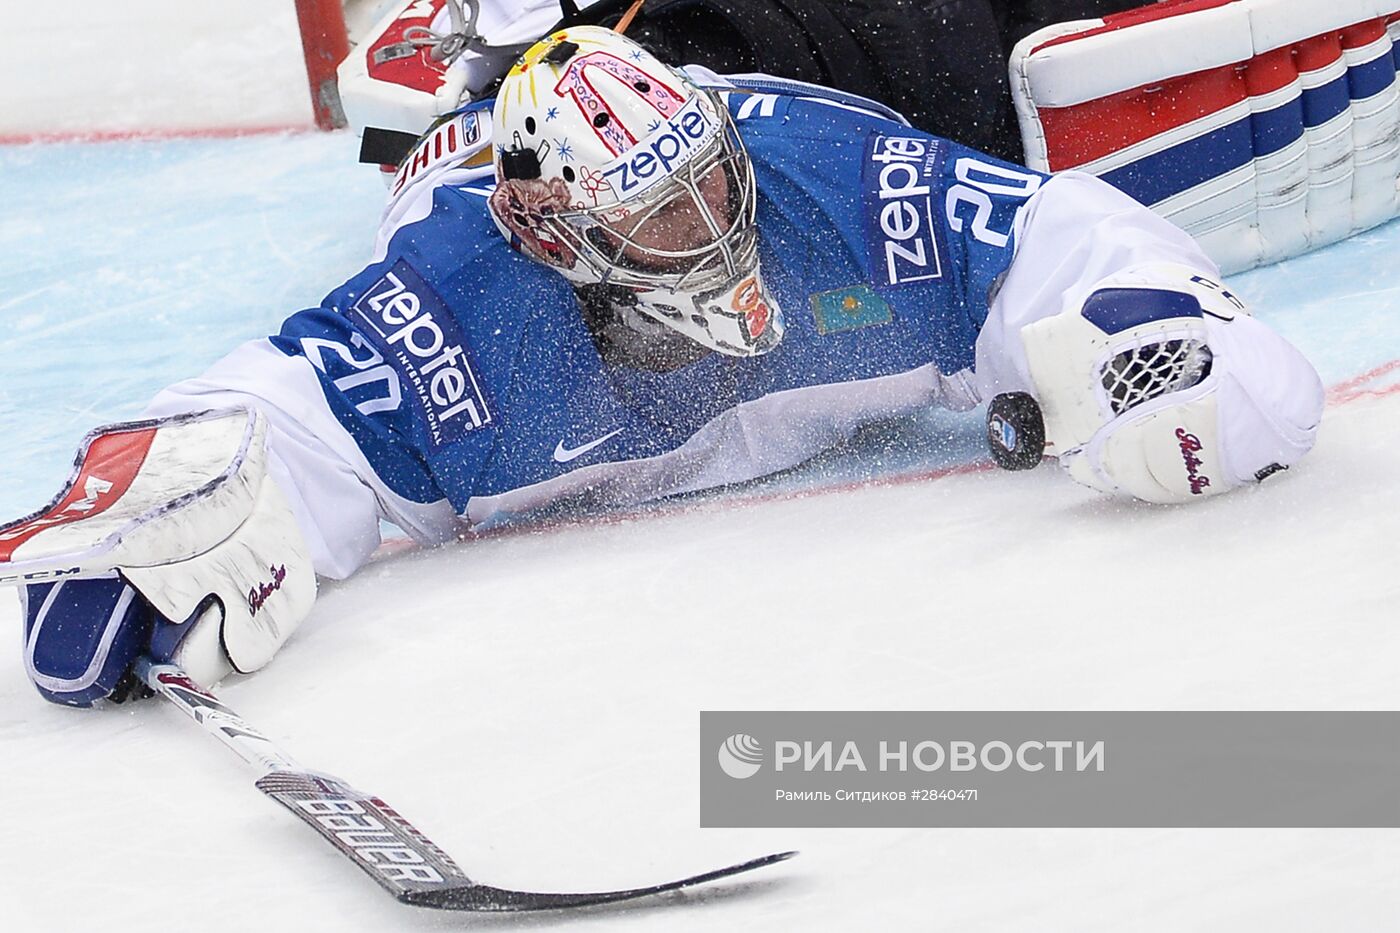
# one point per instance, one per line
(849, 308)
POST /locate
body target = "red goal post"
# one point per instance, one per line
(324, 43)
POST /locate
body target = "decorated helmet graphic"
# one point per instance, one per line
(619, 171)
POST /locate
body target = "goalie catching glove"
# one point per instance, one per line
(1160, 385)
(169, 540)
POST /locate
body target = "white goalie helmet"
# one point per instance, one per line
(617, 170)
(1159, 384)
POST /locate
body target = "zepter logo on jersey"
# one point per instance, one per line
(619, 171)
(900, 178)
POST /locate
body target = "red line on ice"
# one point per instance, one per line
(394, 546)
(1352, 389)
(1339, 394)
(109, 136)
(723, 503)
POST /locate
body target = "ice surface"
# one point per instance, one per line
(531, 699)
(127, 265)
(100, 67)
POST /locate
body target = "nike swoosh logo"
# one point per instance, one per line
(564, 454)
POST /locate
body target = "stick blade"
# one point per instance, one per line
(392, 851)
(366, 830)
(486, 899)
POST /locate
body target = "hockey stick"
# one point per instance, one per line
(367, 830)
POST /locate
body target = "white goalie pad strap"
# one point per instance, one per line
(141, 494)
(387, 83)
(201, 653)
(390, 84)
(1265, 128)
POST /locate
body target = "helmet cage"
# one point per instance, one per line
(602, 249)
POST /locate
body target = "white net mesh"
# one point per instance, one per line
(1149, 370)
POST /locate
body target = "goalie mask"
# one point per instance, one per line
(1162, 386)
(619, 171)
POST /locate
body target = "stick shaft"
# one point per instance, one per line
(196, 702)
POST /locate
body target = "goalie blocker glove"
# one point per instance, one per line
(81, 637)
(170, 541)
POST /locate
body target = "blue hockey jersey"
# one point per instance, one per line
(455, 381)
(464, 370)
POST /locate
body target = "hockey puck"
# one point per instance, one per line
(1015, 431)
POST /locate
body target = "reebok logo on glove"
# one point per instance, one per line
(259, 595)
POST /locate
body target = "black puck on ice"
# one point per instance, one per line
(1015, 431)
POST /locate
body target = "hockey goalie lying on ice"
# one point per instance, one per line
(624, 283)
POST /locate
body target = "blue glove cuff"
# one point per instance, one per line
(81, 636)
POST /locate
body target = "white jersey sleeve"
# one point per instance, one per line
(1074, 232)
(336, 496)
